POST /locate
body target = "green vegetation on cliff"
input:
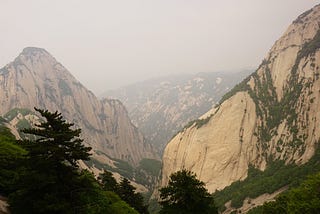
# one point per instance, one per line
(145, 173)
(14, 112)
(276, 176)
(151, 166)
(303, 199)
(10, 156)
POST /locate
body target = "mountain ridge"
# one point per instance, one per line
(159, 107)
(269, 116)
(36, 79)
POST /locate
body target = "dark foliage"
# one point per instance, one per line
(11, 155)
(108, 182)
(303, 199)
(50, 180)
(56, 144)
(186, 194)
(127, 193)
(50, 174)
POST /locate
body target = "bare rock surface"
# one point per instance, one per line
(36, 79)
(274, 113)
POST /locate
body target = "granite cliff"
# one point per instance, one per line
(272, 115)
(36, 79)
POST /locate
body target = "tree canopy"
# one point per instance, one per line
(50, 181)
(125, 190)
(127, 193)
(186, 194)
(10, 156)
(303, 199)
(108, 182)
(56, 142)
(49, 176)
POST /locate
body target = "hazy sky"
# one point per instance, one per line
(107, 44)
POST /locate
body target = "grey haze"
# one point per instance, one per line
(107, 44)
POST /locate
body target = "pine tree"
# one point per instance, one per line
(108, 182)
(56, 142)
(51, 175)
(127, 193)
(185, 194)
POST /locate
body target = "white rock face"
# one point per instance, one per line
(274, 114)
(219, 151)
(36, 79)
(283, 54)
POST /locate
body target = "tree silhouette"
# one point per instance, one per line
(56, 142)
(185, 194)
(51, 172)
(127, 193)
(109, 183)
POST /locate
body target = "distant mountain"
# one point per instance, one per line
(160, 107)
(264, 135)
(36, 79)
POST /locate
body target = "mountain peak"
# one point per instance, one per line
(33, 49)
(32, 53)
(267, 115)
(30, 50)
(304, 16)
(36, 78)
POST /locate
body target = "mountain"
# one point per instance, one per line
(36, 79)
(160, 107)
(268, 121)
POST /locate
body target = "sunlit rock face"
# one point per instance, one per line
(36, 79)
(272, 114)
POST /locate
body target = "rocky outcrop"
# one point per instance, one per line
(4, 205)
(161, 107)
(36, 79)
(273, 114)
(220, 150)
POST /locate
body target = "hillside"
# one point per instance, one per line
(160, 107)
(8, 155)
(269, 117)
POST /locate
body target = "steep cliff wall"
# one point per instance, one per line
(273, 114)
